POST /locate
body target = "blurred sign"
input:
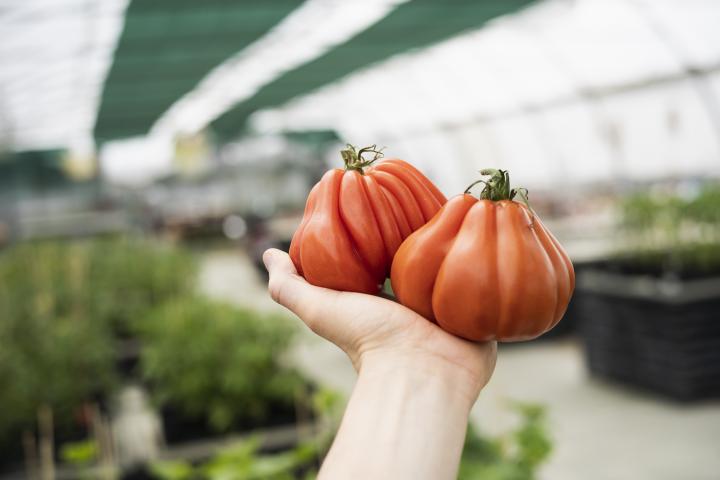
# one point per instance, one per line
(79, 166)
(192, 154)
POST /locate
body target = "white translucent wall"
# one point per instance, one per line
(564, 91)
(54, 56)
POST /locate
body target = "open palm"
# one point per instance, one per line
(375, 329)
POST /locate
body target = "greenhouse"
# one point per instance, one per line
(518, 201)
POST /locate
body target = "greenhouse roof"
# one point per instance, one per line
(412, 25)
(118, 67)
(631, 87)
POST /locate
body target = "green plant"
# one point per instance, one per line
(80, 453)
(244, 460)
(130, 277)
(46, 333)
(515, 456)
(61, 304)
(173, 470)
(111, 281)
(672, 232)
(216, 361)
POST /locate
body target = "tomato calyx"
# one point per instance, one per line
(497, 187)
(354, 160)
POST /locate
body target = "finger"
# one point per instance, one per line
(292, 291)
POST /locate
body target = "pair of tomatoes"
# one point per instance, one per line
(482, 269)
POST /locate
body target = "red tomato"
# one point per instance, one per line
(356, 218)
(485, 269)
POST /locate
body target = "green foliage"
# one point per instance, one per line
(110, 281)
(515, 456)
(173, 470)
(243, 461)
(129, 278)
(51, 361)
(326, 402)
(79, 453)
(46, 333)
(60, 306)
(673, 232)
(216, 361)
(705, 207)
(533, 443)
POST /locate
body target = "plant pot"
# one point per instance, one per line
(180, 428)
(274, 439)
(657, 334)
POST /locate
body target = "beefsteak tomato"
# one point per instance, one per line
(356, 218)
(485, 269)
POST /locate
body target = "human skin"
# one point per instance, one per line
(408, 412)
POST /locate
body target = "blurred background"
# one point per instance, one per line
(151, 150)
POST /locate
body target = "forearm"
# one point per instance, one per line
(404, 420)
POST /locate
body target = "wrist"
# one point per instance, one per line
(408, 413)
(420, 372)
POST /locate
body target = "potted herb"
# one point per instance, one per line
(54, 356)
(216, 368)
(650, 313)
(65, 309)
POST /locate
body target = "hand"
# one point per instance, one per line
(379, 334)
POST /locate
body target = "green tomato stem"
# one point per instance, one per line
(497, 187)
(353, 158)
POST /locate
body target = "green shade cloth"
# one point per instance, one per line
(412, 25)
(167, 47)
(313, 138)
(32, 171)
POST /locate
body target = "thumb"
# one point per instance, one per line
(314, 305)
(279, 262)
(283, 283)
(291, 290)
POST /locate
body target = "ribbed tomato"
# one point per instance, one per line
(485, 269)
(356, 218)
